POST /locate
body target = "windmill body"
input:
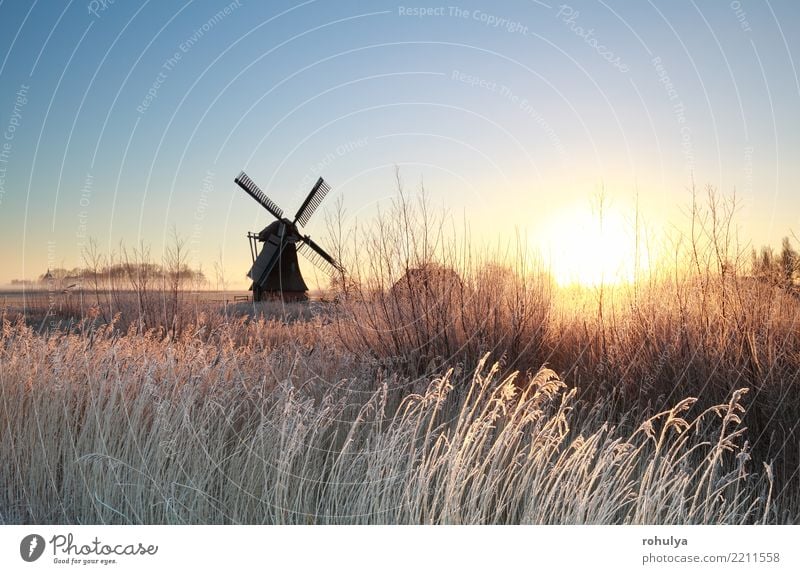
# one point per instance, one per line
(275, 272)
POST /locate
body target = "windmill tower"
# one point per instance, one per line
(275, 272)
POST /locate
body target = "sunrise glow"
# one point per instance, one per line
(583, 247)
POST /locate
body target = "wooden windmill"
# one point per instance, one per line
(275, 272)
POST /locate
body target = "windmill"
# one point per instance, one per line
(275, 271)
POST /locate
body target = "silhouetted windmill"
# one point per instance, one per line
(275, 271)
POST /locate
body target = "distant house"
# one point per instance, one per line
(60, 279)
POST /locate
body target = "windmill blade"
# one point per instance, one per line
(315, 197)
(318, 256)
(255, 192)
(317, 260)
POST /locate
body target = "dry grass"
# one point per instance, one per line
(416, 401)
(147, 431)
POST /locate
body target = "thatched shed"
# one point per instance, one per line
(430, 279)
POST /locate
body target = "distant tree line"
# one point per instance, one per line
(779, 268)
(118, 272)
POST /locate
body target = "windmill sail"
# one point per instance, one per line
(318, 256)
(255, 192)
(315, 197)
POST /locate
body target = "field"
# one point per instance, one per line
(434, 384)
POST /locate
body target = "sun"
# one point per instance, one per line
(589, 247)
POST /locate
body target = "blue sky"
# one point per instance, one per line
(124, 120)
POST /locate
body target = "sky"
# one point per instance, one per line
(127, 121)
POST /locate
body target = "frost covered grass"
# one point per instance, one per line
(140, 430)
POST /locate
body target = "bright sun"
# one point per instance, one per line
(580, 247)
